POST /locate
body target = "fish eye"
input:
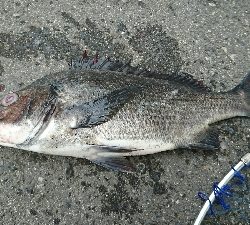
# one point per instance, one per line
(9, 99)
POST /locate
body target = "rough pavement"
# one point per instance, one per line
(208, 38)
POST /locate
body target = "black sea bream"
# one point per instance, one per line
(106, 110)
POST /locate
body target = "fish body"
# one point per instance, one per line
(104, 115)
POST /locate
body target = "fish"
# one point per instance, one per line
(105, 111)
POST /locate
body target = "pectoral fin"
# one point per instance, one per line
(101, 110)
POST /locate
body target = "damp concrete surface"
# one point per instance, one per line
(208, 39)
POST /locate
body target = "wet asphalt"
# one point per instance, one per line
(208, 38)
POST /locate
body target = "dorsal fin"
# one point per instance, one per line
(189, 81)
(105, 63)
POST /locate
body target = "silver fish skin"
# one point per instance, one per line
(105, 115)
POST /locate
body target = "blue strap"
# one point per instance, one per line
(221, 193)
(241, 178)
(224, 191)
(204, 197)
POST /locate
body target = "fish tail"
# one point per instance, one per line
(243, 90)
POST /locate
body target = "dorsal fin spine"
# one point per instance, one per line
(105, 63)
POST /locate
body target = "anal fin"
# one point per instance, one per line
(207, 140)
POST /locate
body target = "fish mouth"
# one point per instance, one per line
(47, 112)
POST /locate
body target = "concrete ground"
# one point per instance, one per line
(208, 38)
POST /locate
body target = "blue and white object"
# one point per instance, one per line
(245, 161)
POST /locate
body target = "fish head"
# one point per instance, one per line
(23, 114)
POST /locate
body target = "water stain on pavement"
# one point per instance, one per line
(159, 51)
(118, 200)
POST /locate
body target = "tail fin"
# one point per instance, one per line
(243, 89)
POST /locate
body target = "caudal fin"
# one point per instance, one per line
(243, 89)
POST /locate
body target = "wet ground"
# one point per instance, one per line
(208, 38)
